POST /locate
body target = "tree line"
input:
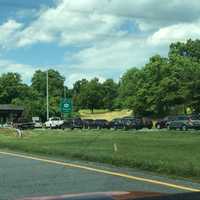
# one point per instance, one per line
(165, 85)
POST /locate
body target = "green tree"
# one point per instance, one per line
(10, 87)
(56, 82)
(91, 95)
(110, 93)
(56, 91)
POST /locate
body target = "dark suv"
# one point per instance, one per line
(89, 124)
(185, 122)
(132, 123)
(72, 123)
(126, 123)
(117, 124)
(102, 123)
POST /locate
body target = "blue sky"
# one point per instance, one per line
(91, 38)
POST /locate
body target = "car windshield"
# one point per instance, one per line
(55, 119)
(99, 97)
(183, 117)
(194, 117)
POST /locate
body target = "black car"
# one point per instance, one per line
(126, 123)
(102, 123)
(116, 124)
(23, 124)
(163, 123)
(89, 124)
(72, 123)
(132, 123)
(185, 122)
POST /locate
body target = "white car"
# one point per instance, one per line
(54, 122)
(38, 124)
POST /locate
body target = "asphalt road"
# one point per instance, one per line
(24, 177)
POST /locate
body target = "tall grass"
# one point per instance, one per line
(173, 153)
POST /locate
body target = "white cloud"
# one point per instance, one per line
(80, 22)
(148, 13)
(8, 32)
(95, 26)
(177, 32)
(26, 71)
(67, 27)
(72, 78)
(113, 57)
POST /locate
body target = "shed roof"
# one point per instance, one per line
(11, 107)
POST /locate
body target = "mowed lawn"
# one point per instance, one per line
(104, 114)
(174, 153)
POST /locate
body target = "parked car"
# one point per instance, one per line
(116, 124)
(132, 123)
(185, 122)
(37, 122)
(89, 124)
(101, 123)
(163, 123)
(72, 123)
(126, 123)
(23, 124)
(54, 122)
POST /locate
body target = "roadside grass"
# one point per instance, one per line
(171, 153)
(104, 114)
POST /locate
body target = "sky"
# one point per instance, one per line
(91, 38)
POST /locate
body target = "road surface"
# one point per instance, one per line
(25, 176)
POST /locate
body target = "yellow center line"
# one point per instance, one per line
(147, 180)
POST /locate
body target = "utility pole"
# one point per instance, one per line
(47, 93)
(64, 92)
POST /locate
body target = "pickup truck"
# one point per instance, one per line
(23, 124)
(54, 122)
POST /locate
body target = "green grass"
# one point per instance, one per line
(173, 153)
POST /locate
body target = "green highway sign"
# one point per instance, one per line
(66, 105)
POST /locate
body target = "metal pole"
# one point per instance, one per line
(64, 92)
(63, 114)
(47, 91)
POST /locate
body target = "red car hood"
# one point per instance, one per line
(98, 196)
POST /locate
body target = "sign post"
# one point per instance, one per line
(66, 107)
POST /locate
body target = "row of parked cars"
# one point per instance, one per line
(125, 123)
(181, 122)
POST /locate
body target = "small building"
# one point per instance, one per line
(10, 113)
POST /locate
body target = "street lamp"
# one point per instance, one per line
(47, 93)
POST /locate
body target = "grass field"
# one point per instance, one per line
(172, 153)
(104, 114)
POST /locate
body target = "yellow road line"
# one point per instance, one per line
(156, 182)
